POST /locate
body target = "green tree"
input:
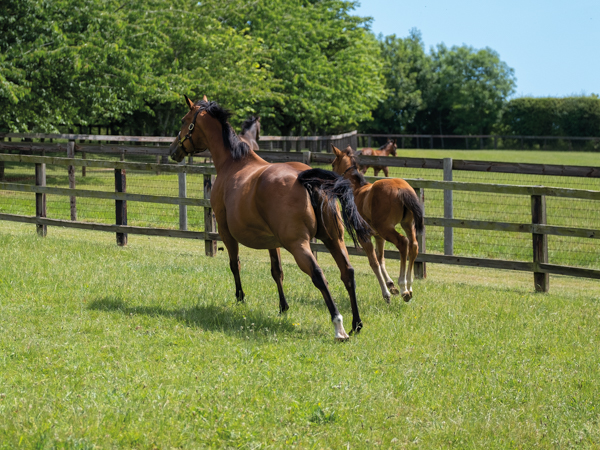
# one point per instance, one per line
(471, 89)
(325, 60)
(105, 62)
(408, 79)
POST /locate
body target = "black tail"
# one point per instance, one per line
(333, 186)
(412, 203)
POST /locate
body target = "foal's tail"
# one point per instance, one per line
(324, 183)
(412, 203)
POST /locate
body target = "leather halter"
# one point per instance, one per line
(189, 135)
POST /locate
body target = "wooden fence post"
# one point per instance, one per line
(420, 268)
(1, 170)
(183, 220)
(540, 243)
(369, 142)
(121, 205)
(495, 142)
(40, 198)
(210, 223)
(448, 209)
(71, 170)
(83, 168)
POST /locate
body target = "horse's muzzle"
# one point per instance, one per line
(176, 151)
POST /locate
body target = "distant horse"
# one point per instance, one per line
(268, 206)
(384, 204)
(389, 148)
(251, 132)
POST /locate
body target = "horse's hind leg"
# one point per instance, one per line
(374, 263)
(380, 244)
(277, 273)
(337, 248)
(308, 264)
(386, 170)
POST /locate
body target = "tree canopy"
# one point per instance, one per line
(305, 66)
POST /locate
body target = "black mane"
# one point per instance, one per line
(238, 148)
(248, 123)
(386, 144)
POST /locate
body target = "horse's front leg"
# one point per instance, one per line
(277, 273)
(380, 245)
(233, 249)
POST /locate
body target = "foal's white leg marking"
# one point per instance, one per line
(338, 325)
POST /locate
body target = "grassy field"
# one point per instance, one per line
(145, 347)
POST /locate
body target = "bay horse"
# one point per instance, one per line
(268, 206)
(384, 204)
(251, 132)
(389, 148)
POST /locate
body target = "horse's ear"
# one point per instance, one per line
(189, 102)
(204, 98)
(336, 150)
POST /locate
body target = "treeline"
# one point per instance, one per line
(305, 66)
(461, 90)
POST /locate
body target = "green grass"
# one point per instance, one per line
(145, 347)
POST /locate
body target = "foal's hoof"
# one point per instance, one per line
(387, 299)
(406, 296)
(393, 289)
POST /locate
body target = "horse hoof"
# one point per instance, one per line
(387, 299)
(342, 338)
(394, 290)
(406, 296)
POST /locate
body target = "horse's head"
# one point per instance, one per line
(190, 138)
(344, 160)
(392, 146)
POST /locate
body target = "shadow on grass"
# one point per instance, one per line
(224, 318)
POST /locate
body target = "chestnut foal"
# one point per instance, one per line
(384, 204)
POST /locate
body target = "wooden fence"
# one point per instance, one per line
(471, 141)
(537, 227)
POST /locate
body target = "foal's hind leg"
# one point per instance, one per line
(308, 264)
(374, 263)
(413, 251)
(401, 243)
(380, 244)
(277, 273)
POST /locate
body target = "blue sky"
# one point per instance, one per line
(553, 46)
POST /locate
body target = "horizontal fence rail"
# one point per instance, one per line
(537, 227)
(474, 141)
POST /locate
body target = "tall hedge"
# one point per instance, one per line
(550, 116)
